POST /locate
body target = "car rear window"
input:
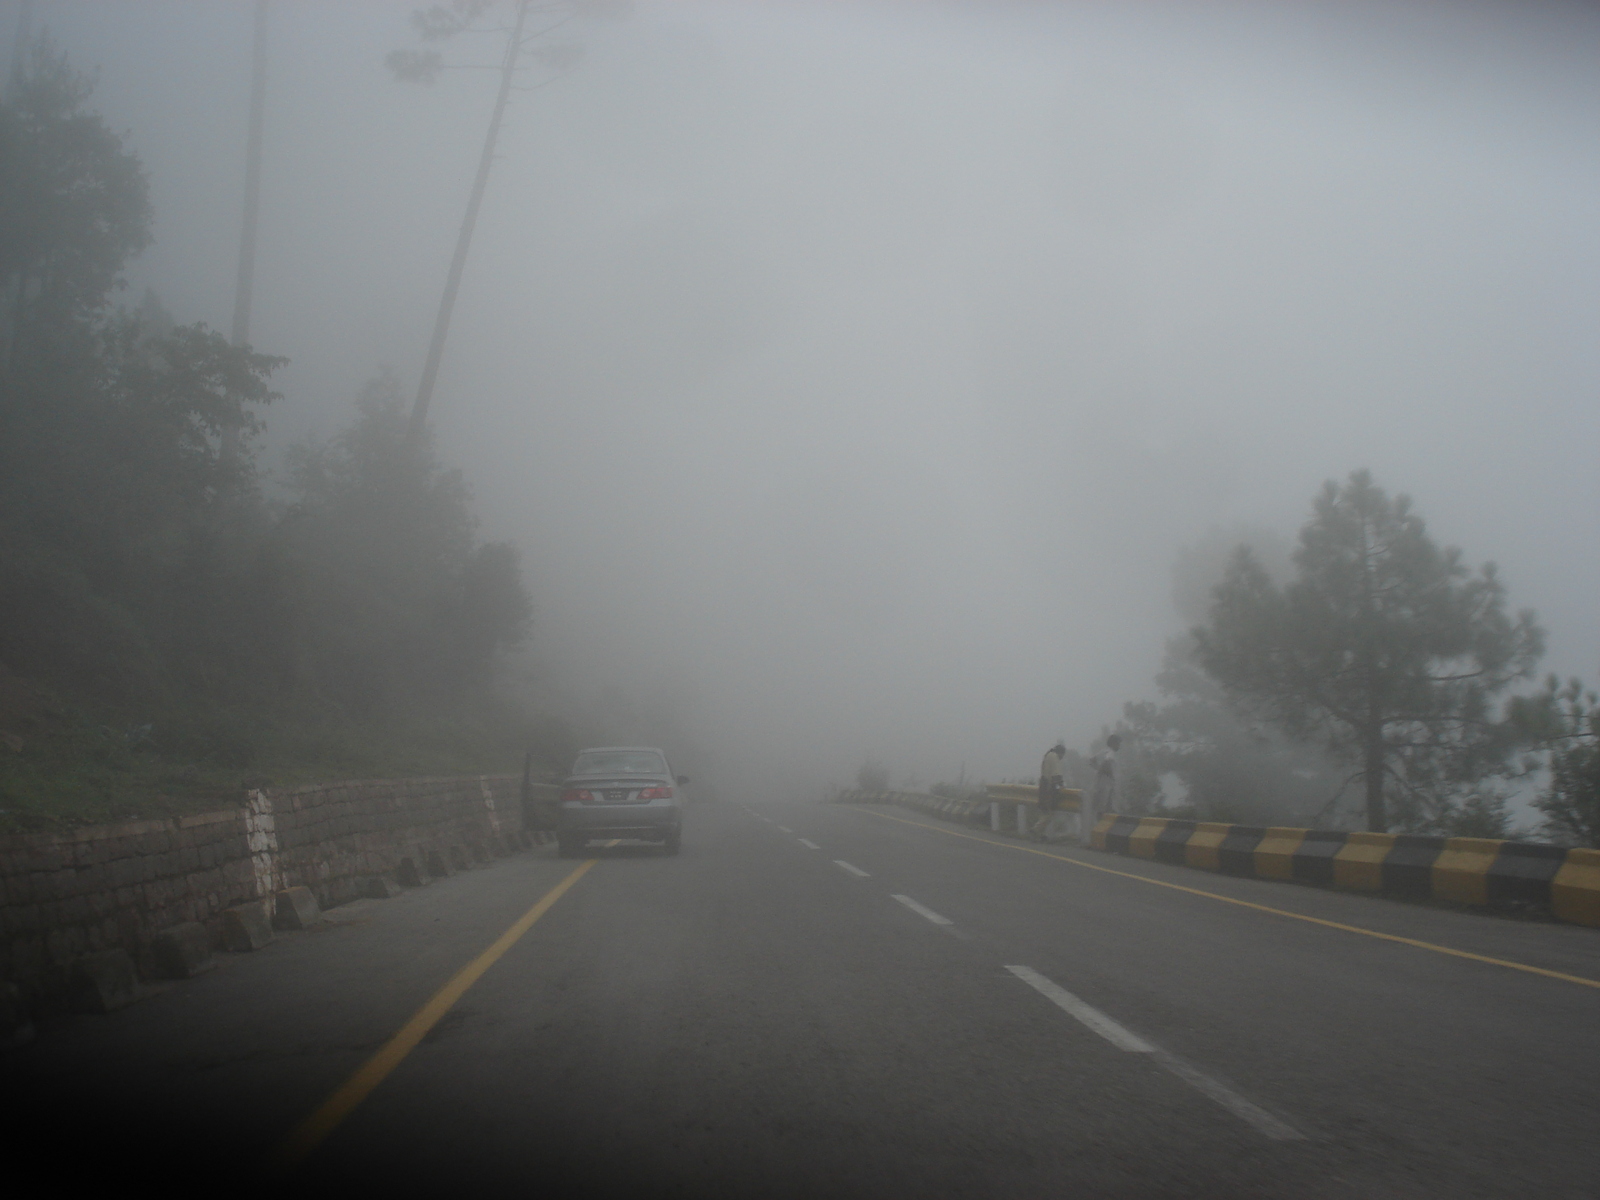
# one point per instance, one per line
(619, 762)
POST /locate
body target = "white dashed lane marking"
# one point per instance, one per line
(809, 845)
(1092, 1017)
(1124, 1039)
(924, 911)
(784, 829)
(854, 870)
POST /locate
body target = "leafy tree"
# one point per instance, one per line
(1232, 768)
(186, 386)
(1485, 813)
(399, 597)
(179, 616)
(74, 204)
(485, 609)
(872, 776)
(1384, 647)
(113, 496)
(1564, 720)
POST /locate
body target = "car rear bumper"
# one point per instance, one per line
(653, 821)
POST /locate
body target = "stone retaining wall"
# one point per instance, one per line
(110, 887)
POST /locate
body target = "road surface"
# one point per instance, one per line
(835, 1001)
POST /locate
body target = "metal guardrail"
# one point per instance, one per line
(1028, 793)
(995, 807)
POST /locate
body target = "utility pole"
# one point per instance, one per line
(447, 303)
(244, 286)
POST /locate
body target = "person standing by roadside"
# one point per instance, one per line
(1049, 789)
(1102, 796)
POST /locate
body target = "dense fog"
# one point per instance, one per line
(852, 377)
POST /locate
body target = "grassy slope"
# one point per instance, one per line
(65, 764)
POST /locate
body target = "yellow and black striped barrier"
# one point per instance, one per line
(1486, 871)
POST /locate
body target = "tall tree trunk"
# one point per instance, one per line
(441, 325)
(16, 289)
(244, 287)
(1377, 817)
(1374, 754)
(21, 44)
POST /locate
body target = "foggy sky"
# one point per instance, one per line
(850, 376)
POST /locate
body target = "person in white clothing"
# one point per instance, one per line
(1102, 796)
(1049, 789)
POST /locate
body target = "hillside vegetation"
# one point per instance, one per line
(171, 629)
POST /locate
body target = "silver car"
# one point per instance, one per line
(620, 792)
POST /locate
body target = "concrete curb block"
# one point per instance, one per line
(1575, 891)
(104, 981)
(246, 927)
(16, 1025)
(296, 908)
(380, 887)
(439, 864)
(1480, 871)
(183, 951)
(413, 871)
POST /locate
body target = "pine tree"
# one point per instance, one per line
(1384, 647)
(1563, 721)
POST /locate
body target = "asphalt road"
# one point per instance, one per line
(835, 1001)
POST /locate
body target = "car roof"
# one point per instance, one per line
(599, 749)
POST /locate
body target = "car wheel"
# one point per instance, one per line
(670, 844)
(568, 846)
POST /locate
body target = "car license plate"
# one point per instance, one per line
(616, 795)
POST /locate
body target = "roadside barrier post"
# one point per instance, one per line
(994, 816)
(1022, 818)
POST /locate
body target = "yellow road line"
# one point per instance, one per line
(311, 1132)
(1278, 912)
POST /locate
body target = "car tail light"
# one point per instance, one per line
(577, 794)
(656, 793)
